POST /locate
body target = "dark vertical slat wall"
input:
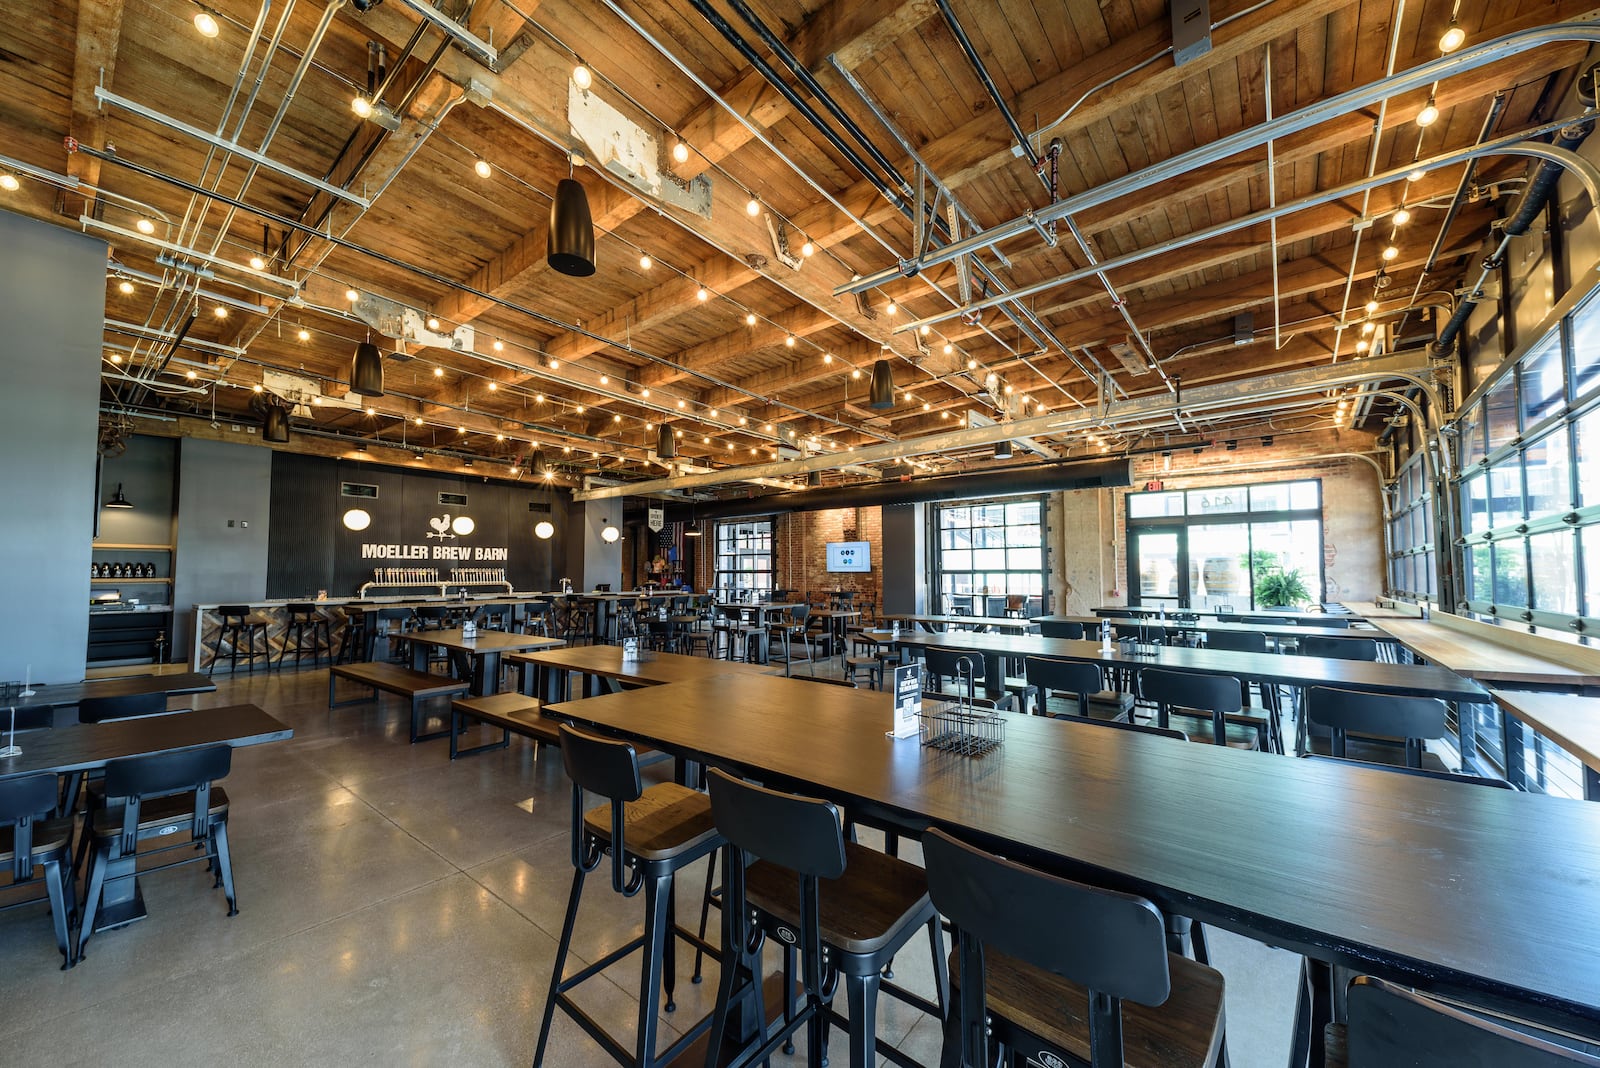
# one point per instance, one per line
(311, 549)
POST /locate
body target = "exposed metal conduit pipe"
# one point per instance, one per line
(1455, 63)
(1513, 144)
(1153, 405)
(1534, 200)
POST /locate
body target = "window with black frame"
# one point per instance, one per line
(745, 558)
(1412, 562)
(991, 557)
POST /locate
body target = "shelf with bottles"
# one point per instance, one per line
(130, 562)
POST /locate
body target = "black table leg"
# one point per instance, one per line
(1511, 740)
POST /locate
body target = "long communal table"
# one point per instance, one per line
(1412, 680)
(604, 670)
(482, 652)
(1012, 624)
(1207, 624)
(1492, 895)
(1479, 656)
(91, 746)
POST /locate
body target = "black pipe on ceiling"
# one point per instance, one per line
(1076, 475)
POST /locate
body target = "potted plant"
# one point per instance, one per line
(1279, 588)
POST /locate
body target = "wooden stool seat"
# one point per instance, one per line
(861, 912)
(666, 821)
(1240, 735)
(1107, 704)
(1185, 1030)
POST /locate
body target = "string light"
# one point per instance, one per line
(499, 346)
(1429, 113)
(257, 263)
(702, 294)
(680, 152)
(1372, 306)
(1402, 216)
(645, 262)
(555, 364)
(1453, 38)
(789, 341)
(581, 77)
(206, 23)
(438, 372)
(483, 168)
(750, 319)
(827, 357)
(893, 307)
(1389, 253)
(752, 206)
(9, 183)
(1417, 175)
(220, 312)
(855, 372)
(125, 288)
(1366, 328)
(433, 322)
(145, 226)
(605, 380)
(351, 295)
(362, 107)
(808, 249)
(493, 386)
(190, 375)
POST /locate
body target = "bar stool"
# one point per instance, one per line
(358, 635)
(536, 618)
(846, 909)
(238, 629)
(1093, 984)
(305, 619)
(651, 835)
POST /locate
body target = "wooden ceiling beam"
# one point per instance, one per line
(94, 64)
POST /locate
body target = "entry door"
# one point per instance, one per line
(1158, 570)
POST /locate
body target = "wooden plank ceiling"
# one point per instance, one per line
(587, 368)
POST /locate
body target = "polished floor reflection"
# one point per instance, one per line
(397, 908)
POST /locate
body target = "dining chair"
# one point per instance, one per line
(1382, 716)
(105, 710)
(1060, 628)
(1095, 985)
(1338, 648)
(842, 909)
(1250, 641)
(790, 628)
(1208, 697)
(1387, 1024)
(29, 839)
(1078, 688)
(650, 834)
(155, 798)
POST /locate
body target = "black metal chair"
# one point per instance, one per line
(943, 664)
(1337, 648)
(846, 909)
(1414, 719)
(1061, 628)
(105, 710)
(791, 629)
(358, 637)
(1078, 681)
(240, 632)
(536, 618)
(1420, 773)
(155, 798)
(305, 619)
(1094, 985)
(1250, 641)
(651, 835)
(1137, 728)
(28, 840)
(1208, 697)
(1390, 1025)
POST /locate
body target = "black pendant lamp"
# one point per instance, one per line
(537, 464)
(118, 500)
(882, 393)
(569, 245)
(1002, 449)
(276, 427)
(666, 443)
(366, 370)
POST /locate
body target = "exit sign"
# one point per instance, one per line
(1152, 487)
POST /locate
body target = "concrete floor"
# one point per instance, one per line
(397, 908)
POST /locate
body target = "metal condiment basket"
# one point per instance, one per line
(960, 727)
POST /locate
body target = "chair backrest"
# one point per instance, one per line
(1067, 676)
(1237, 641)
(803, 834)
(1380, 714)
(1338, 648)
(1146, 632)
(610, 768)
(1390, 1025)
(23, 800)
(431, 617)
(1061, 628)
(1337, 622)
(1420, 773)
(162, 774)
(1112, 943)
(944, 663)
(602, 587)
(300, 610)
(1217, 694)
(128, 706)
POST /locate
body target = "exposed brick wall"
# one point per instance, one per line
(800, 550)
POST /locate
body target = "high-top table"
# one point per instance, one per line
(1413, 680)
(91, 746)
(1479, 656)
(1207, 624)
(482, 653)
(1298, 617)
(1492, 895)
(56, 696)
(1571, 722)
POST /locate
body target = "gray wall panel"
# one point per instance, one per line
(223, 508)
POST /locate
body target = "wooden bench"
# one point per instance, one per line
(513, 713)
(418, 686)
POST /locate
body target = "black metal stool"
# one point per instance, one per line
(304, 619)
(358, 637)
(238, 629)
(651, 835)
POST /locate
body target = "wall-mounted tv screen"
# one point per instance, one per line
(849, 556)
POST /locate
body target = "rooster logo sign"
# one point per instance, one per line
(441, 528)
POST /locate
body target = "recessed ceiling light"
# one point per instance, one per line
(483, 168)
(206, 23)
(9, 183)
(145, 226)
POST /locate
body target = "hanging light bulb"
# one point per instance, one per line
(1402, 216)
(483, 168)
(680, 152)
(1390, 252)
(1453, 38)
(499, 346)
(257, 263)
(752, 206)
(433, 322)
(351, 295)
(362, 107)
(1366, 328)
(145, 226)
(789, 341)
(125, 287)
(205, 23)
(1361, 346)
(702, 294)
(827, 357)
(220, 312)
(304, 334)
(645, 262)
(1417, 175)
(1429, 113)
(581, 77)
(808, 249)
(1372, 306)
(9, 183)
(750, 319)
(972, 365)
(893, 307)
(438, 372)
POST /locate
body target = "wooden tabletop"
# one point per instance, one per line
(1571, 722)
(1272, 630)
(1372, 610)
(605, 661)
(1299, 617)
(1486, 893)
(91, 745)
(487, 641)
(66, 695)
(1418, 680)
(1483, 658)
